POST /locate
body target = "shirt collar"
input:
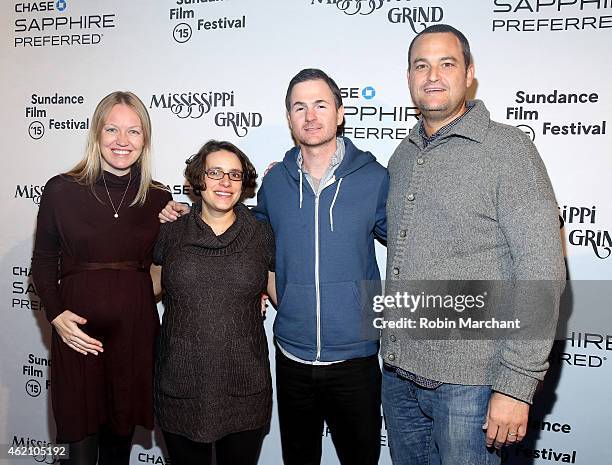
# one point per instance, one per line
(336, 158)
(444, 129)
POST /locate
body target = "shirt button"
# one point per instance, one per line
(420, 161)
(391, 357)
(402, 233)
(396, 271)
(392, 338)
(411, 197)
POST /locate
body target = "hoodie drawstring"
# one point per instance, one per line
(331, 208)
(301, 186)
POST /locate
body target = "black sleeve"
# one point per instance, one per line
(47, 247)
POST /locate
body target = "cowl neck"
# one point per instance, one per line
(200, 238)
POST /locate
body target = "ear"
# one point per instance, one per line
(470, 76)
(340, 115)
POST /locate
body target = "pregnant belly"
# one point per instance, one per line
(113, 302)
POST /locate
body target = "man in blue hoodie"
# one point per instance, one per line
(326, 203)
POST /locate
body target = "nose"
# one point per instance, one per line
(310, 114)
(225, 180)
(122, 138)
(433, 74)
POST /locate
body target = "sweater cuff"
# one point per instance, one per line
(53, 310)
(515, 384)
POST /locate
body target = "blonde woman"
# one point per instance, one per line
(97, 225)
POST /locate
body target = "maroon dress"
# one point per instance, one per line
(104, 277)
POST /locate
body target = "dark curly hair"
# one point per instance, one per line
(196, 165)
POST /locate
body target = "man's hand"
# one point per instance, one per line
(172, 211)
(270, 166)
(264, 303)
(506, 421)
(66, 325)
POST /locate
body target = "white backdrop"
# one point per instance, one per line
(59, 58)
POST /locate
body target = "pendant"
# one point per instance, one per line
(116, 215)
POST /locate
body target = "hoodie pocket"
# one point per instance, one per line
(296, 318)
(342, 317)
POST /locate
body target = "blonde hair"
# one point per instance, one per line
(89, 169)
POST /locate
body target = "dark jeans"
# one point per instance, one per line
(345, 395)
(240, 448)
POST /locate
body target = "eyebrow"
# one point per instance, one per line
(137, 126)
(315, 102)
(446, 58)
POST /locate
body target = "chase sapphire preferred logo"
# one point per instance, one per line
(517, 16)
(369, 117)
(45, 24)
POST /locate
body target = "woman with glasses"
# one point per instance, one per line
(213, 381)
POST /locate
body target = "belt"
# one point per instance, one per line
(79, 267)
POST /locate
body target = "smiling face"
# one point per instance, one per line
(313, 117)
(438, 78)
(220, 195)
(121, 140)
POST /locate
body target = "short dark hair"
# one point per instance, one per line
(313, 74)
(196, 165)
(441, 28)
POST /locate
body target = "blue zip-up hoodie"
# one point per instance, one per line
(324, 251)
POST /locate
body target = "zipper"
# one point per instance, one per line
(317, 274)
(317, 284)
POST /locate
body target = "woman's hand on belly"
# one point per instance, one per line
(67, 326)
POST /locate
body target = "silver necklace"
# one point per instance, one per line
(116, 210)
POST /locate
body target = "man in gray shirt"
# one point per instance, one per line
(469, 199)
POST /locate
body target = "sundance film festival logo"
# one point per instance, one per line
(528, 109)
(417, 17)
(187, 12)
(35, 371)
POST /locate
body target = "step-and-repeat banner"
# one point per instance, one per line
(220, 68)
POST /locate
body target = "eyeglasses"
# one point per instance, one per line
(217, 174)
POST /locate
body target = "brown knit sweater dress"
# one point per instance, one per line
(212, 371)
(114, 388)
